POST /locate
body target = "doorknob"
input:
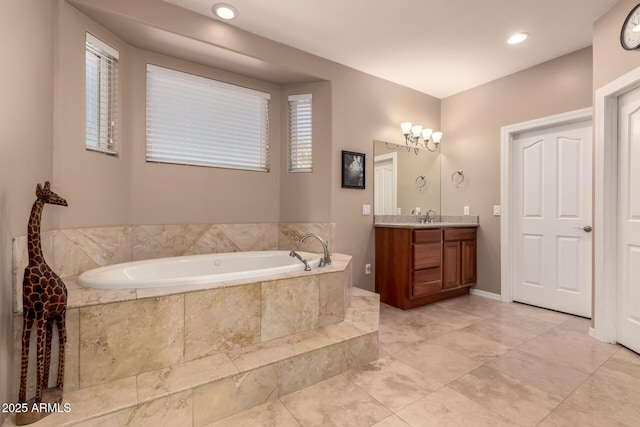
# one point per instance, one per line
(586, 228)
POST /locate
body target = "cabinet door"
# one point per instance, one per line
(468, 262)
(451, 274)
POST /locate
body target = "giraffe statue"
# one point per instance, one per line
(44, 302)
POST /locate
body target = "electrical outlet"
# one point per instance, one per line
(366, 209)
(367, 269)
(466, 210)
(497, 211)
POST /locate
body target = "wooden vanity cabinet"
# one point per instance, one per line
(415, 267)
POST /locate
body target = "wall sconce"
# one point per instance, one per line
(412, 135)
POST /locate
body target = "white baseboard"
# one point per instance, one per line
(485, 294)
(593, 334)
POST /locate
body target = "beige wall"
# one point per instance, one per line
(95, 185)
(26, 123)
(304, 196)
(610, 60)
(105, 190)
(170, 194)
(471, 122)
(351, 110)
(366, 108)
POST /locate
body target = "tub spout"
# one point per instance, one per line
(307, 267)
(326, 259)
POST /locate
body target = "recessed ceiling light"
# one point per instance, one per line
(225, 11)
(518, 38)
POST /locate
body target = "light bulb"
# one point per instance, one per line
(225, 11)
(406, 127)
(518, 38)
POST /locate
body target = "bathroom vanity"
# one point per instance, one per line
(417, 264)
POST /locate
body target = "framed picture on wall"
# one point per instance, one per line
(353, 170)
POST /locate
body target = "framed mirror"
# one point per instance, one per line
(405, 179)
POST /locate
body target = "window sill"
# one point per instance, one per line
(104, 151)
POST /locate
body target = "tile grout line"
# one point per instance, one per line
(563, 399)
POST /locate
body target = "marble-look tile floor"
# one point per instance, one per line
(471, 361)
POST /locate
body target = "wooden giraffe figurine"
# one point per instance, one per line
(44, 302)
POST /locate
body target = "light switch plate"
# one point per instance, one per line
(366, 209)
(497, 211)
(466, 210)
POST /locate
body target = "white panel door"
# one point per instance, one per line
(552, 207)
(385, 177)
(628, 289)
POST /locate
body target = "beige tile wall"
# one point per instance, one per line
(71, 252)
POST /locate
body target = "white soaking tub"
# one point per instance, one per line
(194, 269)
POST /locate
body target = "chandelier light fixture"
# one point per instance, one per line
(412, 134)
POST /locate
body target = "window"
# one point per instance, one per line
(101, 95)
(300, 133)
(193, 120)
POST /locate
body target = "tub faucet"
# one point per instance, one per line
(307, 267)
(326, 259)
(428, 219)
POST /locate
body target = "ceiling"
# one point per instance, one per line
(439, 47)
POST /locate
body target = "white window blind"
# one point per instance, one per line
(101, 95)
(301, 133)
(194, 120)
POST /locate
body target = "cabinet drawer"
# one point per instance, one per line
(427, 255)
(459, 234)
(427, 282)
(427, 236)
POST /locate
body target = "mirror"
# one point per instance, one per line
(405, 180)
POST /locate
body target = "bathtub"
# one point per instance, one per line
(194, 269)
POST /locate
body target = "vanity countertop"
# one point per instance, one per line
(413, 221)
(419, 225)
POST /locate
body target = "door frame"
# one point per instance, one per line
(604, 325)
(508, 134)
(394, 171)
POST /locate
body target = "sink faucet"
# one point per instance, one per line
(326, 259)
(428, 219)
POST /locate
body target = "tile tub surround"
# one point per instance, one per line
(205, 390)
(74, 251)
(119, 333)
